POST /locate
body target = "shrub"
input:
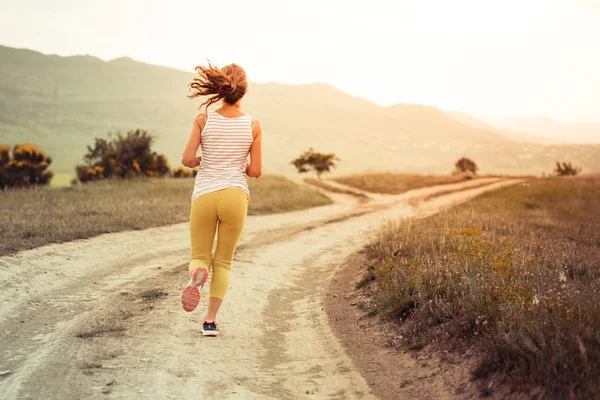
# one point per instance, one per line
(318, 162)
(465, 165)
(124, 156)
(181, 172)
(28, 166)
(566, 169)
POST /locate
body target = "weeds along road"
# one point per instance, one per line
(101, 318)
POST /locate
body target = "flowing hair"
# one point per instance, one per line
(228, 84)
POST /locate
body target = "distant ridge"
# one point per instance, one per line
(509, 134)
(63, 103)
(579, 132)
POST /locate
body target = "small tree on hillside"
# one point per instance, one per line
(566, 169)
(124, 156)
(465, 165)
(27, 166)
(318, 162)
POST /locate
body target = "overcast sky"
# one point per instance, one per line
(528, 57)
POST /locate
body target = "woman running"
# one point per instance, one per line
(220, 198)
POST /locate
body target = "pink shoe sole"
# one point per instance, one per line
(191, 294)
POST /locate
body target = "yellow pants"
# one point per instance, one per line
(227, 209)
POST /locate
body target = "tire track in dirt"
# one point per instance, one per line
(276, 342)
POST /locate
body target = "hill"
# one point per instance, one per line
(62, 103)
(512, 135)
(579, 132)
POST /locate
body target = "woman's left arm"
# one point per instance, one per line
(189, 158)
(254, 166)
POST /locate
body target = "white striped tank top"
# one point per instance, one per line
(225, 144)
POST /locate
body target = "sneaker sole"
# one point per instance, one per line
(190, 298)
(210, 333)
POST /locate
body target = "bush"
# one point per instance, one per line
(27, 167)
(181, 172)
(566, 169)
(465, 166)
(124, 157)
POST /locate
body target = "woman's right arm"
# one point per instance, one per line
(254, 166)
(189, 158)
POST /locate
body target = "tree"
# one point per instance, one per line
(465, 165)
(318, 162)
(124, 156)
(27, 166)
(566, 169)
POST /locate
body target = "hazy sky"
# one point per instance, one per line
(529, 57)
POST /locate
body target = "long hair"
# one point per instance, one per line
(228, 84)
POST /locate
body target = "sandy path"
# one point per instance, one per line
(276, 341)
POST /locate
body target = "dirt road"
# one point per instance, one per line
(101, 318)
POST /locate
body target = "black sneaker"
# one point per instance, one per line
(209, 329)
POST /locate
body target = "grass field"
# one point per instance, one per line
(331, 188)
(392, 183)
(514, 273)
(35, 217)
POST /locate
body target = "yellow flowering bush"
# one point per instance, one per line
(124, 156)
(181, 172)
(28, 166)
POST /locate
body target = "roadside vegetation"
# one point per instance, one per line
(123, 156)
(26, 167)
(566, 169)
(276, 194)
(330, 188)
(513, 274)
(394, 183)
(35, 217)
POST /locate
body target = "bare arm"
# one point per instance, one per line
(254, 166)
(189, 158)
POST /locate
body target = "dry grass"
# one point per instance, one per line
(445, 192)
(100, 328)
(391, 183)
(35, 217)
(272, 194)
(91, 365)
(515, 272)
(112, 322)
(153, 294)
(330, 188)
(345, 217)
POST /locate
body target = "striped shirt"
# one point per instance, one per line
(225, 144)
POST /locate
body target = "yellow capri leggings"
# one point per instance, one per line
(227, 209)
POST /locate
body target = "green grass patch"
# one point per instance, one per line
(515, 272)
(34, 217)
(391, 183)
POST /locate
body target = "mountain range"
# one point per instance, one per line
(547, 128)
(63, 103)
